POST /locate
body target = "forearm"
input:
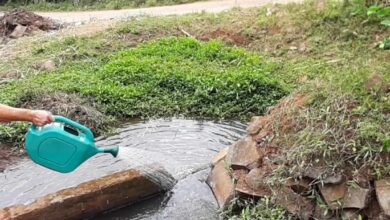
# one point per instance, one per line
(8, 114)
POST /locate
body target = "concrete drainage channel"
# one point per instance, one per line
(165, 155)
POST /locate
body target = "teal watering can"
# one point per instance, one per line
(63, 145)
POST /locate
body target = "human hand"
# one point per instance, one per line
(40, 117)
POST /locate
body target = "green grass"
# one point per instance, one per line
(88, 5)
(262, 209)
(167, 77)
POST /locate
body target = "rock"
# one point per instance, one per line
(90, 198)
(334, 179)
(219, 156)
(294, 203)
(373, 210)
(376, 82)
(255, 178)
(333, 194)
(317, 173)
(321, 5)
(262, 136)
(300, 186)
(356, 197)
(18, 31)
(302, 47)
(243, 154)
(255, 125)
(322, 213)
(269, 11)
(242, 186)
(47, 65)
(221, 183)
(28, 20)
(362, 180)
(313, 172)
(382, 188)
(349, 214)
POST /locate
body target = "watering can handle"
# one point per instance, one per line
(86, 130)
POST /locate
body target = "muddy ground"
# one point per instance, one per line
(7, 156)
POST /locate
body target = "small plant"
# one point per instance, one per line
(385, 44)
(381, 12)
(386, 23)
(13, 133)
(263, 209)
(378, 11)
(386, 145)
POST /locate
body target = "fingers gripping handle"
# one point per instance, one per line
(74, 124)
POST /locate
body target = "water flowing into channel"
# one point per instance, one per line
(183, 147)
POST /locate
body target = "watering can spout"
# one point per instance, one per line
(112, 150)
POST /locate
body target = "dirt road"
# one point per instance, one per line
(208, 6)
(96, 21)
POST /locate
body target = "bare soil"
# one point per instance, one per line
(228, 36)
(71, 106)
(196, 7)
(32, 22)
(7, 156)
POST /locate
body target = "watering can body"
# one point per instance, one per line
(63, 145)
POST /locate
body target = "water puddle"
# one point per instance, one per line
(183, 147)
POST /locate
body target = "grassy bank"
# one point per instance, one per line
(88, 5)
(167, 77)
(325, 50)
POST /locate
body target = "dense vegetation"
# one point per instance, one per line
(334, 53)
(71, 5)
(168, 77)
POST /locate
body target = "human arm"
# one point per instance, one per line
(37, 117)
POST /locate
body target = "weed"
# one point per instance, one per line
(385, 44)
(263, 209)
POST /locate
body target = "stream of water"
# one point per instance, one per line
(183, 147)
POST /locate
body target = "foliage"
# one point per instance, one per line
(385, 44)
(263, 209)
(12, 133)
(386, 145)
(386, 23)
(379, 11)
